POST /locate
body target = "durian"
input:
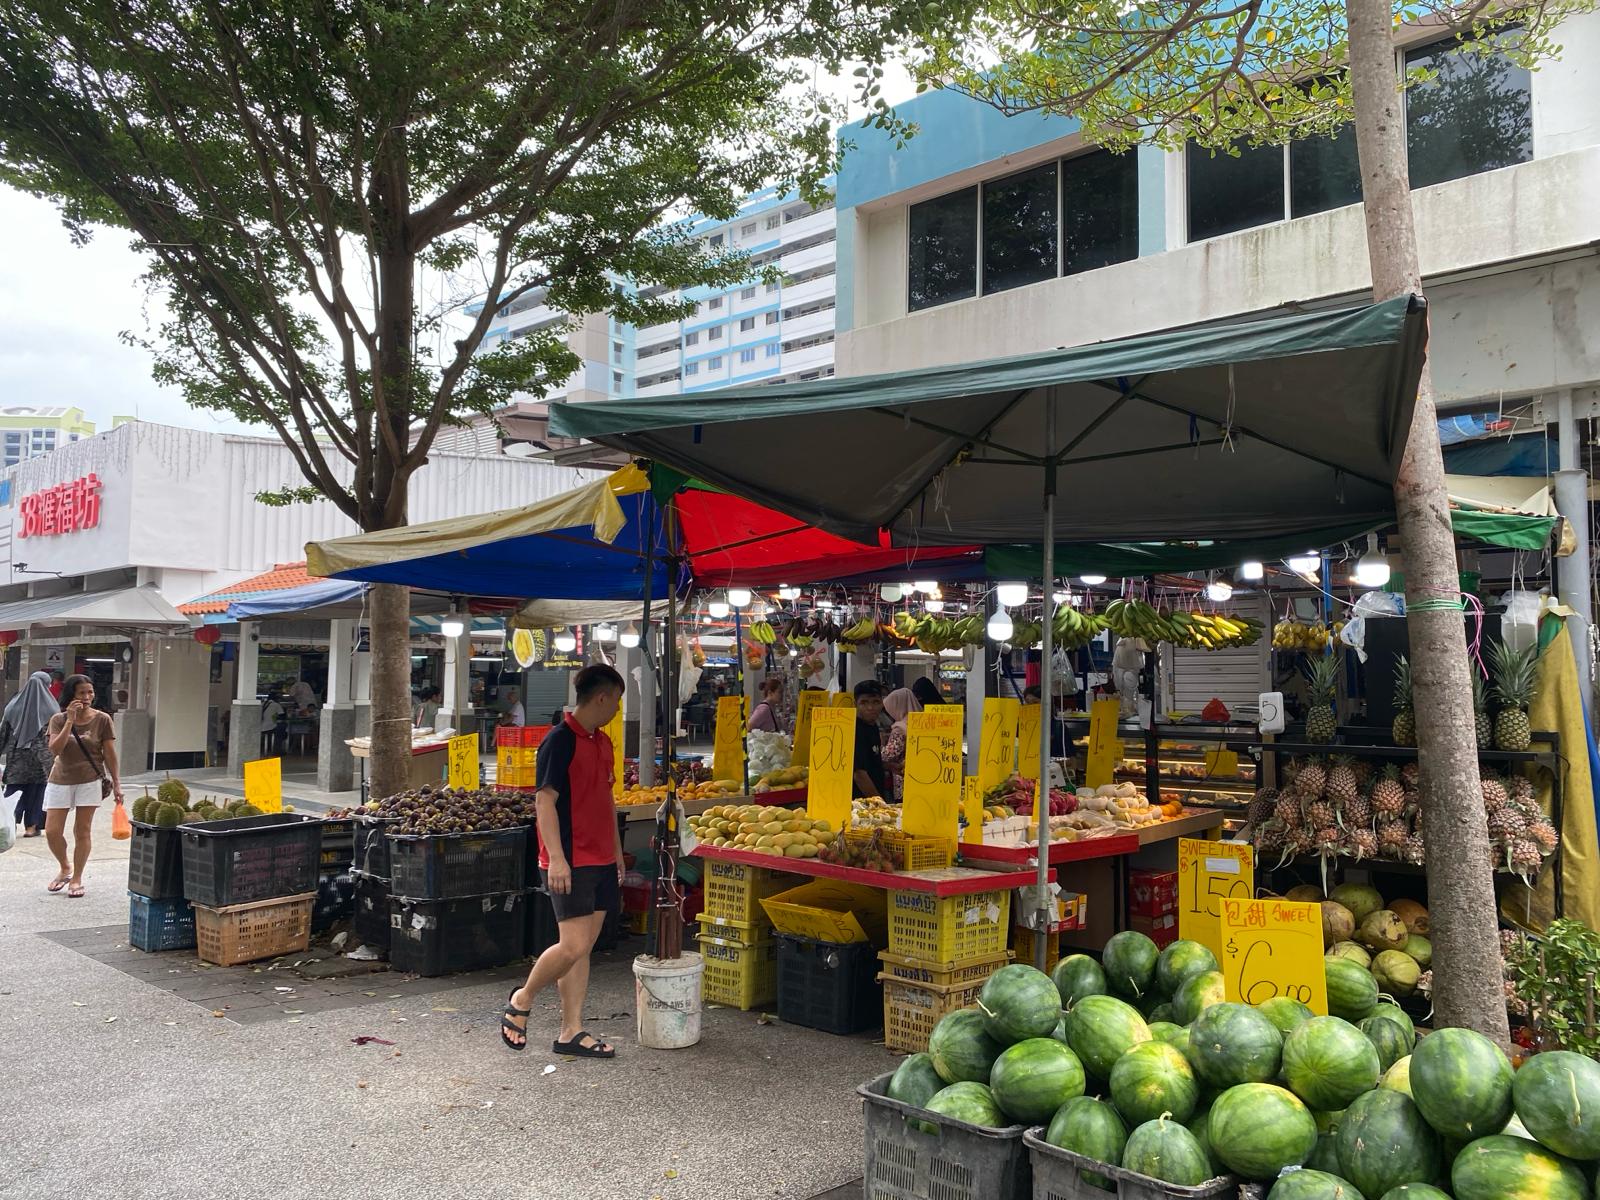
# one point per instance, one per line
(174, 791)
(168, 816)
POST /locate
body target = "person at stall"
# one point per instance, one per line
(765, 714)
(83, 741)
(898, 705)
(580, 860)
(926, 691)
(427, 709)
(24, 740)
(303, 696)
(56, 679)
(870, 779)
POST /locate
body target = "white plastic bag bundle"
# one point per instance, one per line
(1519, 627)
(769, 751)
(8, 823)
(1371, 604)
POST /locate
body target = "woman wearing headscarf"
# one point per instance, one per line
(926, 691)
(24, 741)
(898, 705)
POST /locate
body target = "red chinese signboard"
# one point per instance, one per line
(65, 508)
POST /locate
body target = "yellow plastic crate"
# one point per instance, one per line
(911, 1010)
(1022, 944)
(506, 771)
(734, 891)
(911, 852)
(916, 970)
(739, 974)
(945, 930)
(828, 910)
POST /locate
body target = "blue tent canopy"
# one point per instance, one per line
(295, 600)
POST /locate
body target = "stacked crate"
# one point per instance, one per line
(736, 939)
(941, 950)
(253, 883)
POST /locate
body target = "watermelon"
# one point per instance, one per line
(1196, 993)
(970, 1102)
(1093, 1129)
(1557, 1097)
(1166, 1031)
(1129, 959)
(1398, 1077)
(1313, 1185)
(1163, 1012)
(1060, 1031)
(1390, 1011)
(1324, 1155)
(1019, 1002)
(1328, 1062)
(1180, 960)
(1462, 1082)
(1163, 1149)
(1387, 1038)
(1034, 1078)
(1200, 1126)
(1101, 1029)
(1257, 1129)
(1415, 1191)
(1077, 976)
(1151, 1079)
(1508, 1168)
(1384, 1142)
(1515, 1127)
(1233, 1043)
(1352, 991)
(961, 1048)
(1285, 1012)
(915, 1081)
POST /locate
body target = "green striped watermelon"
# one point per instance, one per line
(1165, 1150)
(1508, 1168)
(1285, 1012)
(1324, 1155)
(1387, 1038)
(915, 1081)
(1180, 960)
(1415, 1191)
(1077, 976)
(1093, 1129)
(1328, 1062)
(1195, 994)
(1129, 959)
(1352, 991)
(1101, 1029)
(1034, 1078)
(1233, 1043)
(1313, 1185)
(973, 1103)
(1200, 1126)
(1151, 1079)
(1462, 1083)
(1165, 1031)
(1384, 1142)
(1390, 1011)
(1557, 1098)
(1163, 1012)
(1019, 1002)
(961, 1048)
(1257, 1129)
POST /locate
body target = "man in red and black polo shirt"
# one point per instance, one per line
(580, 859)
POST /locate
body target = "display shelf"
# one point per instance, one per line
(1191, 824)
(635, 813)
(945, 881)
(1060, 852)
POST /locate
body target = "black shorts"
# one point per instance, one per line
(594, 889)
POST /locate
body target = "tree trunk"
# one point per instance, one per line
(391, 688)
(1467, 972)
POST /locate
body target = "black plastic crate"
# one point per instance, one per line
(155, 862)
(468, 933)
(245, 859)
(832, 986)
(955, 1161)
(338, 843)
(155, 925)
(445, 866)
(371, 848)
(543, 932)
(369, 919)
(336, 900)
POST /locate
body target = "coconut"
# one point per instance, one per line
(1354, 952)
(1382, 930)
(1396, 972)
(1338, 923)
(1413, 914)
(1305, 893)
(1419, 948)
(1359, 898)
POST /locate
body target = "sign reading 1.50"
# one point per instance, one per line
(1209, 873)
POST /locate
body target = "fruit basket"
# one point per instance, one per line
(446, 866)
(957, 1161)
(155, 862)
(734, 891)
(911, 1010)
(155, 925)
(1062, 1175)
(468, 933)
(740, 974)
(246, 859)
(243, 933)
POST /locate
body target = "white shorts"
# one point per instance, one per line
(72, 795)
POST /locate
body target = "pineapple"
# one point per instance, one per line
(1287, 810)
(1261, 806)
(1312, 781)
(1320, 816)
(1480, 711)
(1388, 796)
(1327, 839)
(1507, 823)
(1365, 843)
(1323, 677)
(1392, 838)
(1494, 794)
(1410, 774)
(1544, 834)
(1342, 788)
(1416, 850)
(1356, 813)
(1404, 729)
(1514, 684)
(1525, 857)
(1521, 788)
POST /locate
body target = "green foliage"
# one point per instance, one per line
(1552, 976)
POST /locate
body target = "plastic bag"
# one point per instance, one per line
(121, 826)
(8, 823)
(1372, 604)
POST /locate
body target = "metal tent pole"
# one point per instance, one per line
(649, 681)
(1041, 806)
(669, 922)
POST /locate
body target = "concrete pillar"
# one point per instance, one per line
(244, 730)
(335, 767)
(455, 704)
(1572, 501)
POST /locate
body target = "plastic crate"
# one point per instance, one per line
(948, 929)
(1022, 947)
(371, 847)
(916, 970)
(507, 772)
(338, 843)
(464, 933)
(241, 933)
(163, 924)
(543, 932)
(739, 974)
(246, 859)
(155, 862)
(831, 986)
(448, 866)
(734, 890)
(369, 919)
(956, 1161)
(911, 1010)
(521, 735)
(336, 900)
(913, 853)
(1059, 1175)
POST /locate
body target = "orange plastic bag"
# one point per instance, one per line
(121, 826)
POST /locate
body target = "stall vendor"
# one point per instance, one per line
(870, 779)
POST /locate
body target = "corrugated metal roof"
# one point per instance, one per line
(281, 577)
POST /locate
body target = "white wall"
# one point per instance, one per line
(182, 693)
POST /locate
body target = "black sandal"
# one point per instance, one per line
(576, 1049)
(505, 1023)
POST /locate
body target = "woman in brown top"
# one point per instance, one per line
(82, 739)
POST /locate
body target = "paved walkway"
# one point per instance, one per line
(121, 1080)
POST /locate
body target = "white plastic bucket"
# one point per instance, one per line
(666, 997)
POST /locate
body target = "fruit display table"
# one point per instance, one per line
(634, 814)
(941, 882)
(429, 761)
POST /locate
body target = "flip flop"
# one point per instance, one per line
(576, 1049)
(505, 1023)
(59, 882)
(75, 891)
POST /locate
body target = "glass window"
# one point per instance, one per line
(714, 303)
(714, 241)
(944, 249)
(691, 368)
(1475, 115)
(747, 230)
(771, 287)
(1324, 173)
(1099, 210)
(772, 318)
(747, 356)
(746, 325)
(1228, 193)
(692, 339)
(715, 364)
(774, 221)
(714, 334)
(1019, 229)
(773, 349)
(748, 293)
(616, 351)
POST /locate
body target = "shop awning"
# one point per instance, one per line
(1269, 428)
(119, 608)
(1513, 511)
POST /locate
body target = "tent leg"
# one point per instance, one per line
(1041, 806)
(669, 920)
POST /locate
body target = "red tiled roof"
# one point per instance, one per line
(280, 578)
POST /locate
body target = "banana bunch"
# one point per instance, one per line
(1073, 629)
(763, 632)
(858, 634)
(1026, 633)
(932, 634)
(1297, 635)
(1190, 630)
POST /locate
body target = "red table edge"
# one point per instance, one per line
(1060, 852)
(987, 882)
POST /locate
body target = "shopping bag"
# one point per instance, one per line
(8, 824)
(121, 826)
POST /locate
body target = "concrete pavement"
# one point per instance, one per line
(119, 1088)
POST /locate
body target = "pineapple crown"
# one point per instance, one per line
(1515, 673)
(1322, 674)
(1480, 691)
(1402, 683)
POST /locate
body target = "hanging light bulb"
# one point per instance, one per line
(1092, 580)
(1059, 598)
(1011, 594)
(605, 633)
(452, 626)
(1251, 570)
(718, 609)
(565, 642)
(1372, 568)
(1305, 564)
(890, 593)
(934, 606)
(1219, 590)
(738, 597)
(824, 603)
(927, 586)
(788, 593)
(1000, 627)
(629, 638)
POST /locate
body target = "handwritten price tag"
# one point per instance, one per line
(464, 762)
(933, 775)
(833, 753)
(1028, 741)
(1208, 874)
(972, 809)
(1273, 948)
(1221, 764)
(263, 784)
(727, 753)
(997, 757)
(809, 699)
(1105, 751)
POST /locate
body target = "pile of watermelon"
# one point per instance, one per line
(1138, 1061)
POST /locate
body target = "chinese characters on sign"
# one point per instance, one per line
(65, 508)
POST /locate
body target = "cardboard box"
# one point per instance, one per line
(1162, 930)
(1152, 893)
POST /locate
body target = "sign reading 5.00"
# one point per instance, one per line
(933, 775)
(1209, 873)
(1273, 948)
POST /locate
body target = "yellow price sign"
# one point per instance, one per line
(809, 699)
(972, 809)
(997, 748)
(1208, 874)
(841, 700)
(1221, 764)
(614, 732)
(833, 754)
(263, 784)
(727, 753)
(464, 761)
(1028, 717)
(1105, 750)
(932, 806)
(1273, 948)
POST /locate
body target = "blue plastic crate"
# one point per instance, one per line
(160, 924)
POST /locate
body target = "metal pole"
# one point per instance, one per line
(744, 728)
(649, 683)
(1041, 806)
(1572, 501)
(669, 941)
